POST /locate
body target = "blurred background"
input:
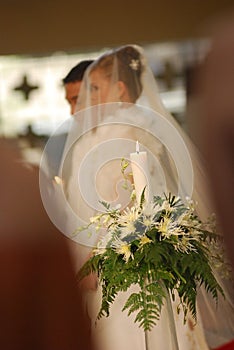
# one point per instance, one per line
(42, 40)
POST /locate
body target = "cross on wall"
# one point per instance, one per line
(26, 88)
(169, 75)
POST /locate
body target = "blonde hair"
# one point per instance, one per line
(129, 66)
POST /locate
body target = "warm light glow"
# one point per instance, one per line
(46, 107)
(58, 180)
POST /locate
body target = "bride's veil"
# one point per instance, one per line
(112, 114)
(153, 114)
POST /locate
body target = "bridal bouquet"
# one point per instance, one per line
(162, 247)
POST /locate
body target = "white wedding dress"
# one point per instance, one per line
(118, 331)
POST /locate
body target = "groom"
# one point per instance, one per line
(72, 83)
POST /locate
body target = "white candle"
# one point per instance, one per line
(140, 172)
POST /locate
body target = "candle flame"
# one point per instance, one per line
(58, 180)
(137, 147)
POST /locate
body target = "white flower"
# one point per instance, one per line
(164, 226)
(130, 214)
(144, 240)
(127, 229)
(134, 64)
(148, 213)
(166, 206)
(123, 249)
(99, 251)
(147, 221)
(127, 221)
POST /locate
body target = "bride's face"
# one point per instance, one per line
(102, 90)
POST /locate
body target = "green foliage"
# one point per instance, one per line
(164, 249)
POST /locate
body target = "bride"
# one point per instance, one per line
(119, 104)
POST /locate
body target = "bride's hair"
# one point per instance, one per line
(124, 64)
